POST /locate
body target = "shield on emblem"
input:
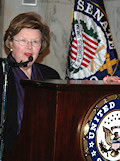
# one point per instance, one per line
(115, 144)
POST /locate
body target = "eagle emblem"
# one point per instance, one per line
(112, 140)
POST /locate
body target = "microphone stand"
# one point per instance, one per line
(6, 67)
(6, 64)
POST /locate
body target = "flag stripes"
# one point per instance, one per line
(90, 47)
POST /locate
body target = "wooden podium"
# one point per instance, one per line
(53, 115)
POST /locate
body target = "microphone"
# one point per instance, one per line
(15, 64)
(24, 64)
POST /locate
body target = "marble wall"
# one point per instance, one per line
(57, 14)
(113, 13)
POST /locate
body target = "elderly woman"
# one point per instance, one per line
(25, 37)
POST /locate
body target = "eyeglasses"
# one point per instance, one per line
(24, 42)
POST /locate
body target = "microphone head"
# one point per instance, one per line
(30, 59)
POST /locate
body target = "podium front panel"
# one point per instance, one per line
(56, 113)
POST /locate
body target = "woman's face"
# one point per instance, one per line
(25, 44)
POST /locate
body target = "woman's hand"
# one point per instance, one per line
(111, 79)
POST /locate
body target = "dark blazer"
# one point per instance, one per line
(11, 108)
